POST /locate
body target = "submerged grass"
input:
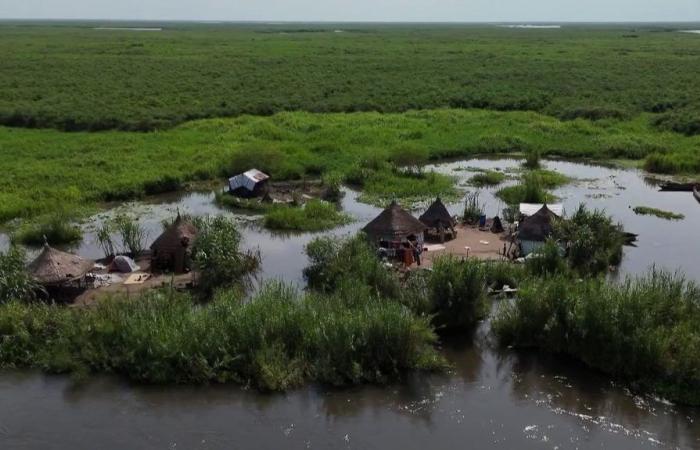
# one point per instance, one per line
(645, 331)
(277, 340)
(660, 213)
(56, 229)
(487, 178)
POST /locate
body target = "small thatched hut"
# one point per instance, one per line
(438, 219)
(535, 229)
(56, 269)
(172, 249)
(394, 224)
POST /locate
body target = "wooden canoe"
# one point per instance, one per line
(696, 193)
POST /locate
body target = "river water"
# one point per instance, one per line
(492, 398)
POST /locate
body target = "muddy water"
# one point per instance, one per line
(492, 398)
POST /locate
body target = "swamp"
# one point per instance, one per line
(282, 316)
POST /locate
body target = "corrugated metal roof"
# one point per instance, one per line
(247, 179)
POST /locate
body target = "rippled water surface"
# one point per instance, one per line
(491, 399)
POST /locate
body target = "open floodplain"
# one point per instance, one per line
(101, 120)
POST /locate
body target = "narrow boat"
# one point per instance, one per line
(696, 193)
(671, 186)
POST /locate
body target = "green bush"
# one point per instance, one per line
(217, 256)
(645, 330)
(15, 282)
(275, 341)
(458, 293)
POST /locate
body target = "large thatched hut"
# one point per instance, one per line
(534, 230)
(438, 220)
(394, 224)
(55, 269)
(172, 250)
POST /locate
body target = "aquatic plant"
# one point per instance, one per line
(57, 229)
(458, 293)
(103, 234)
(248, 204)
(487, 178)
(593, 242)
(315, 215)
(277, 340)
(532, 159)
(660, 213)
(529, 190)
(15, 282)
(473, 208)
(133, 235)
(644, 330)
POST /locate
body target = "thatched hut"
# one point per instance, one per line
(394, 224)
(55, 269)
(535, 229)
(438, 220)
(172, 250)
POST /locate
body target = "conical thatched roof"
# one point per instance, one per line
(394, 222)
(55, 267)
(437, 215)
(537, 227)
(174, 236)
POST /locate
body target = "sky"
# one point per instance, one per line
(359, 10)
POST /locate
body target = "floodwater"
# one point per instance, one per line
(491, 399)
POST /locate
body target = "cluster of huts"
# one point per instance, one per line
(395, 230)
(65, 274)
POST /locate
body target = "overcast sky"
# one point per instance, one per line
(358, 10)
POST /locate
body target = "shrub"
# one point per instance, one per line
(458, 293)
(275, 341)
(644, 330)
(15, 282)
(532, 159)
(218, 259)
(411, 158)
(592, 241)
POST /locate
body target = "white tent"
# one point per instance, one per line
(528, 209)
(247, 180)
(124, 264)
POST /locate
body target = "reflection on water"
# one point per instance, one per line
(492, 398)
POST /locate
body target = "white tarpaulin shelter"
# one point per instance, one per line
(528, 209)
(124, 264)
(247, 180)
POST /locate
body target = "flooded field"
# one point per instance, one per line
(491, 399)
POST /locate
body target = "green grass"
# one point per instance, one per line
(660, 213)
(80, 170)
(72, 77)
(237, 203)
(277, 340)
(315, 215)
(56, 229)
(487, 178)
(644, 331)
